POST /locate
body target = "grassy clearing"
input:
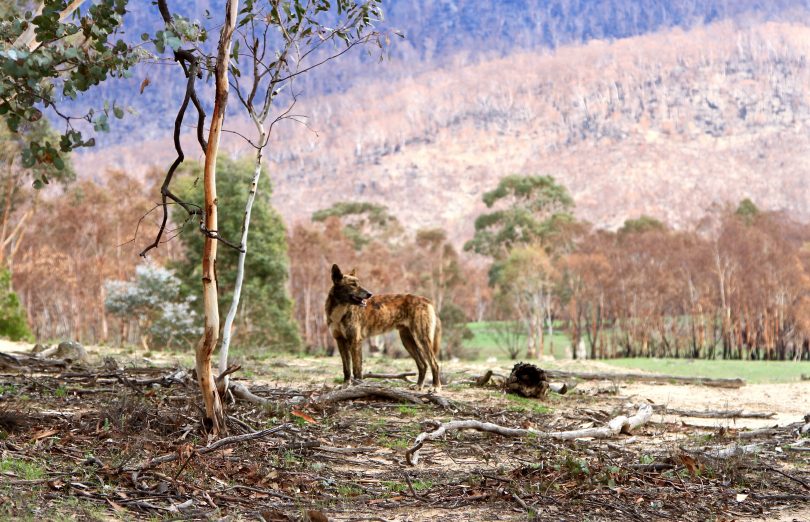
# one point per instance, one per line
(23, 469)
(750, 371)
(523, 404)
(486, 344)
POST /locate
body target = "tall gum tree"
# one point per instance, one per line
(281, 41)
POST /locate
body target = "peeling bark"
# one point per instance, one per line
(214, 416)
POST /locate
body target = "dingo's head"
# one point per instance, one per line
(346, 288)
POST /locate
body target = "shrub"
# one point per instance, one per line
(163, 316)
(13, 323)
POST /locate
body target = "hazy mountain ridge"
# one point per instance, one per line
(667, 124)
(437, 31)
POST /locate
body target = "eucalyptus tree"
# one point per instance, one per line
(282, 40)
(277, 42)
(51, 55)
(526, 225)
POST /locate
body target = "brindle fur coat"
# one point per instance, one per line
(353, 315)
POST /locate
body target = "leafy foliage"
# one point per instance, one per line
(14, 144)
(265, 318)
(747, 210)
(533, 209)
(13, 324)
(154, 298)
(66, 58)
(362, 222)
(641, 224)
(455, 332)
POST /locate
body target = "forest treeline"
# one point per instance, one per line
(734, 285)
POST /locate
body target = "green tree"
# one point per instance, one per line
(13, 324)
(640, 225)
(454, 332)
(531, 209)
(265, 319)
(56, 52)
(362, 221)
(153, 300)
(526, 284)
(747, 211)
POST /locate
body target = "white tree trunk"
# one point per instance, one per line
(240, 271)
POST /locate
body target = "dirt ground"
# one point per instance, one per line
(76, 443)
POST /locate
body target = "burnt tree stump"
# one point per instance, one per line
(527, 380)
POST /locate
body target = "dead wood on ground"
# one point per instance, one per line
(651, 378)
(527, 380)
(369, 390)
(621, 424)
(227, 441)
(404, 376)
(714, 414)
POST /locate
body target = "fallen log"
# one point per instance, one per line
(558, 387)
(403, 376)
(621, 424)
(647, 377)
(763, 432)
(715, 414)
(18, 361)
(367, 390)
(240, 391)
(735, 450)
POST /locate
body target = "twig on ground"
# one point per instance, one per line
(170, 457)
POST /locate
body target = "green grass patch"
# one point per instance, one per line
(409, 411)
(393, 443)
(24, 469)
(348, 490)
(485, 342)
(525, 404)
(398, 487)
(750, 371)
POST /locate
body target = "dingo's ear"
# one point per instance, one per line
(337, 275)
(353, 273)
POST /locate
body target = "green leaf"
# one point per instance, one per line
(59, 163)
(118, 111)
(174, 42)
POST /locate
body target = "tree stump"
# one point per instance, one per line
(527, 380)
(71, 351)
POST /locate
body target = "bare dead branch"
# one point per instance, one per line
(621, 424)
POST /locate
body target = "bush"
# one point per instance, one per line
(454, 332)
(13, 323)
(163, 317)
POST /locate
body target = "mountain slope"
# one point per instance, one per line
(667, 124)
